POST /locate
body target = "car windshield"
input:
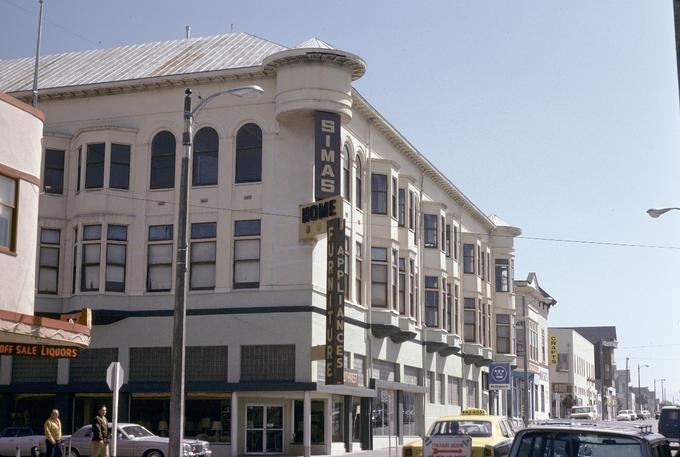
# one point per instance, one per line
(477, 428)
(578, 410)
(671, 415)
(136, 431)
(546, 444)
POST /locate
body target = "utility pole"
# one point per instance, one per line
(37, 56)
(526, 363)
(627, 383)
(601, 358)
(176, 431)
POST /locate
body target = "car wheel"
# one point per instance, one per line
(153, 453)
(74, 452)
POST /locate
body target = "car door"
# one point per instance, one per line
(7, 441)
(125, 446)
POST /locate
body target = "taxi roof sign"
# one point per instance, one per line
(474, 412)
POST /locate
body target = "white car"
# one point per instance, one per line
(624, 415)
(584, 413)
(23, 438)
(133, 441)
(645, 414)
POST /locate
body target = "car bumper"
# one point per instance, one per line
(205, 453)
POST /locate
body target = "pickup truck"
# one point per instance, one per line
(24, 438)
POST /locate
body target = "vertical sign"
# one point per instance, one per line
(335, 302)
(326, 155)
(553, 350)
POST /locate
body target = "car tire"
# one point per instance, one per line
(153, 453)
(74, 452)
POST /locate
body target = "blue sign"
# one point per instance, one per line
(499, 376)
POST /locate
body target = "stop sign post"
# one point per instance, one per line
(114, 378)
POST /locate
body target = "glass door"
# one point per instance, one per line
(264, 429)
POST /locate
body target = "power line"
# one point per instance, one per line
(66, 29)
(377, 224)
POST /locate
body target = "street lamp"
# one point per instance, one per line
(654, 212)
(176, 431)
(639, 388)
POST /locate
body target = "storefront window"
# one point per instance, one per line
(338, 419)
(317, 421)
(409, 415)
(383, 413)
(207, 419)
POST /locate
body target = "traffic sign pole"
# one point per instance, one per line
(114, 378)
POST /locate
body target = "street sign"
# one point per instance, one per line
(447, 446)
(499, 376)
(114, 378)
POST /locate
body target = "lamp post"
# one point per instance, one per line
(663, 392)
(176, 429)
(656, 212)
(639, 388)
(627, 383)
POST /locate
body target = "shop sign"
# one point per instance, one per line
(499, 376)
(38, 350)
(561, 388)
(553, 350)
(447, 446)
(326, 155)
(313, 217)
(335, 302)
(352, 377)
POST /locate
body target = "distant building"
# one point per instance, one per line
(572, 379)
(624, 395)
(604, 342)
(538, 303)
(645, 399)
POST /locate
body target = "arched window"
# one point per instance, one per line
(205, 157)
(344, 160)
(249, 154)
(163, 161)
(357, 183)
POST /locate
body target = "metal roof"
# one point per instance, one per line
(138, 61)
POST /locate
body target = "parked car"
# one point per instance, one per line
(633, 415)
(491, 435)
(584, 412)
(572, 440)
(657, 414)
(134, 441)
(645, 414)
(625, 415)
(669, 423)
(24, 438)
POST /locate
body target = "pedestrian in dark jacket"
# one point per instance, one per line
(100, 434)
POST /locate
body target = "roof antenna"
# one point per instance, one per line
(37, 57)
(232, 28)
(187, 29)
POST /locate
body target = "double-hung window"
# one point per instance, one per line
(116, 256)
(411, 287)
(431, 301)
(411, 209)
(449, 308)
(468, 258)
(91, 256)
(448, 240)
(379, 277)
(53, 174)
(502, 275)
(402, 207)
(395, 278)
(357, 183)
(394, 197)
(503, 333)
(357, 272)
(119, 171)
(203, 255)
(443, 229)
(455, 242)
(430, 227)
(159, 259)
(94, 166)
(402, 286)
(378, 194)
(456, 311)
(8, 207)
(470, 320)
(247, 254)
(48, 270)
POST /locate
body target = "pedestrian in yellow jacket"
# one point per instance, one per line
(53, 434)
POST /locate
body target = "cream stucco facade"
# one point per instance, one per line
(420, 300)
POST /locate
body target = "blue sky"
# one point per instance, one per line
(561, 117)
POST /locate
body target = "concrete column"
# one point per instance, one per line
(234, 424)
(348, 426)
(307, 425)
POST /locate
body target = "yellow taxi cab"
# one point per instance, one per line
(491, 435)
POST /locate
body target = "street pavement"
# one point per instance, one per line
(396, 452)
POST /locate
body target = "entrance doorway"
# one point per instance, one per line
(264, 429)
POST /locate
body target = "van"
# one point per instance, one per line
(584, 412)
(669, 423)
